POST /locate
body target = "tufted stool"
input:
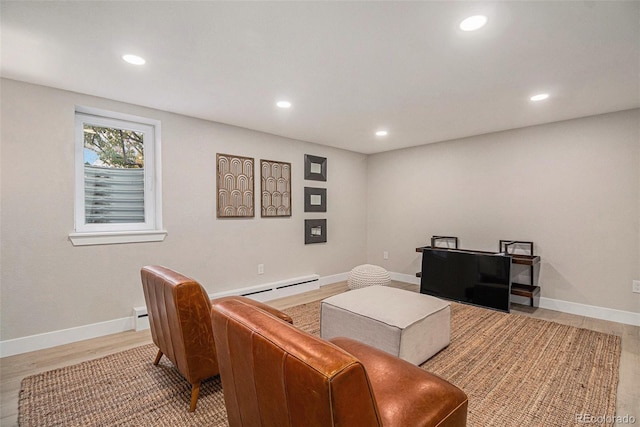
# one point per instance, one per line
(368, 275)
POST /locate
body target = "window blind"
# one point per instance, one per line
(113, 195)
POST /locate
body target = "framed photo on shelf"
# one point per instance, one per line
(516, 247)
(444, 242)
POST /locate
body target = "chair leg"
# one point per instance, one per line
(195, 391)
(158, 357)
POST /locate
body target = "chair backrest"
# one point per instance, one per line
(274, 374)
(180, 319)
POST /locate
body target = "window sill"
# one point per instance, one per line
(117, 237)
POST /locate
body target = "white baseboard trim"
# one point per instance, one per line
(64, 336)
(334, 278)
(81, 333)
(602, 313)
(406, 278)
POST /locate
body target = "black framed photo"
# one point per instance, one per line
(315, 199)
(315, 231)
(315, 168)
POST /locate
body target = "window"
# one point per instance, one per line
(118, 191)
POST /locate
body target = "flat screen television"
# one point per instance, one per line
(482, 279)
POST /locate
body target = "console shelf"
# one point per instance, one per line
(527, 291)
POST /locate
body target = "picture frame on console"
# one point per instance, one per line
(444, 242)
(516, 247)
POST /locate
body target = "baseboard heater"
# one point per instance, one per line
(266, 292)
(140, 318)
(269, 291)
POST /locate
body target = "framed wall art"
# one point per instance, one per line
(315, 199)
(315, 231)
(315, 168)
(275, 187)
(235, 184)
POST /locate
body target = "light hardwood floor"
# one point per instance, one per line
(14, 368)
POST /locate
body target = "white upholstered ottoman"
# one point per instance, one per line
(406, 324)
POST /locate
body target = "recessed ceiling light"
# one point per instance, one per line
(382, 133)
(283, 104)
(473, 23)
(539, 97)
(134, 59)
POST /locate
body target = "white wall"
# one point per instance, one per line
(47, 284)
(572, 187)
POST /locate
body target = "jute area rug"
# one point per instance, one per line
(516, 370)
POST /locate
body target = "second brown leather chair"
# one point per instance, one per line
(179, 312)
(274, 374)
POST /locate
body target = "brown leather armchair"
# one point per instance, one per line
(274, 374)
(180, 319)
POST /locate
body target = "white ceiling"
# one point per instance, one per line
(349, 68)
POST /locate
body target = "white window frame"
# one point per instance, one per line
(98, 234)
